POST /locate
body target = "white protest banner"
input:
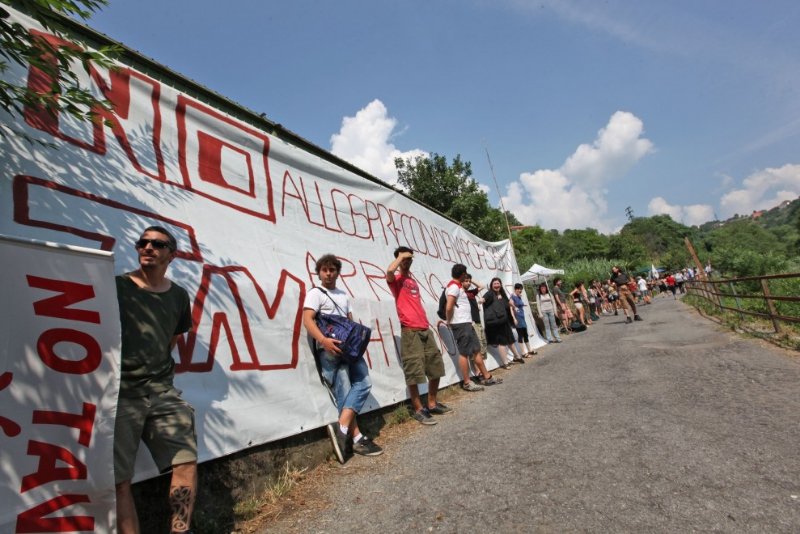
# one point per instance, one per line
(251, 210)
(59, 380)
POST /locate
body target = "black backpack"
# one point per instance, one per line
(442, 311)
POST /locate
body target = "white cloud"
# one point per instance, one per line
(573, 196)
(763, 189)
(694, 214)
(617, 148)
(365, 141)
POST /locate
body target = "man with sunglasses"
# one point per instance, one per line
(154, 311)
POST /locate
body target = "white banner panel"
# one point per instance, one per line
(59, 380)
(251, 213)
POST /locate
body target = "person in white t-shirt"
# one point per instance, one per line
(348, 380)
(459, 318)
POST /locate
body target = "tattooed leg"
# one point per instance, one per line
(180, 499)
(182, 493)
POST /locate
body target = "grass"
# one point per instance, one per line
(247, 509)
(788, 338)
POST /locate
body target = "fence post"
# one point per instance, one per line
(770, 306)
(738, 302)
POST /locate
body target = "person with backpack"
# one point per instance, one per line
(347, 379)
(459, 318)
(421, 358)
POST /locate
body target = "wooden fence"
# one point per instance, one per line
(754, 296)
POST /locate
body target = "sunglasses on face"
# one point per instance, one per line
(157, 243)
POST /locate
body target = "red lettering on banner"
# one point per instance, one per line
(287, 177)
(118, 92)
(379, 339)
(48, 471)
(34, 520)
(50, 338)
(431, 288)
(23, 185)
(82, 422)
(394, 339)
(46, 118)
(210, 165)
(201, 141)
(220, 321)
(373, 216)
(9, 427)
(376, 278)
(58, 305)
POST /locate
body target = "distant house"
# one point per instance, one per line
(757, 214)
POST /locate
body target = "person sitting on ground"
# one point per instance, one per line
(518, 307)
(348, 380)
(459, 318)
(498, 318)
(154, 312)
(547, 311)
(625, 297)
(482, 376)
(421, 358)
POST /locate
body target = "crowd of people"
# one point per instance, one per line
(154, 312)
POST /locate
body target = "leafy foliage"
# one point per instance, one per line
(451, 190)
(24, 48)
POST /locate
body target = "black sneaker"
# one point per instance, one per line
(340, 441)
(424, 417)
(637, 318)
(440, 409)
(628, 320)
(366, 447)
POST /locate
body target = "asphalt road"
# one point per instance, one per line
(669, 425)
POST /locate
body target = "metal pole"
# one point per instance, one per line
(499, 196)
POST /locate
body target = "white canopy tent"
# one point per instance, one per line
(538, 272)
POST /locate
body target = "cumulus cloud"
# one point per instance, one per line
(692, 215)
(763, 189)
(617, 148)
(365, 141)
(573, 196)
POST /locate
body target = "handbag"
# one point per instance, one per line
(495, 314)
(354, 336)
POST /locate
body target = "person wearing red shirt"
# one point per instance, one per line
(421, 358)
(670, 280)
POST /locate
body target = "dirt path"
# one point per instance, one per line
(669, 425)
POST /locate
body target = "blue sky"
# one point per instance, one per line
(690, 108)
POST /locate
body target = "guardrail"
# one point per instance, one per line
(773, 297)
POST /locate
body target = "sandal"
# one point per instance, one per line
(491, 381)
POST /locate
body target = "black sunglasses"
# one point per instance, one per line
(157, 243)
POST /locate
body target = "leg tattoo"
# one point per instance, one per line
(180, 500)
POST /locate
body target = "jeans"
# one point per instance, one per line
(349, 382)
(550, 328)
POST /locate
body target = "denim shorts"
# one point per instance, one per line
(349, 381)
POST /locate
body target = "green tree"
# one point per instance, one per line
(451, 190)
(23, 48)
(535, 245)
(587, 243)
